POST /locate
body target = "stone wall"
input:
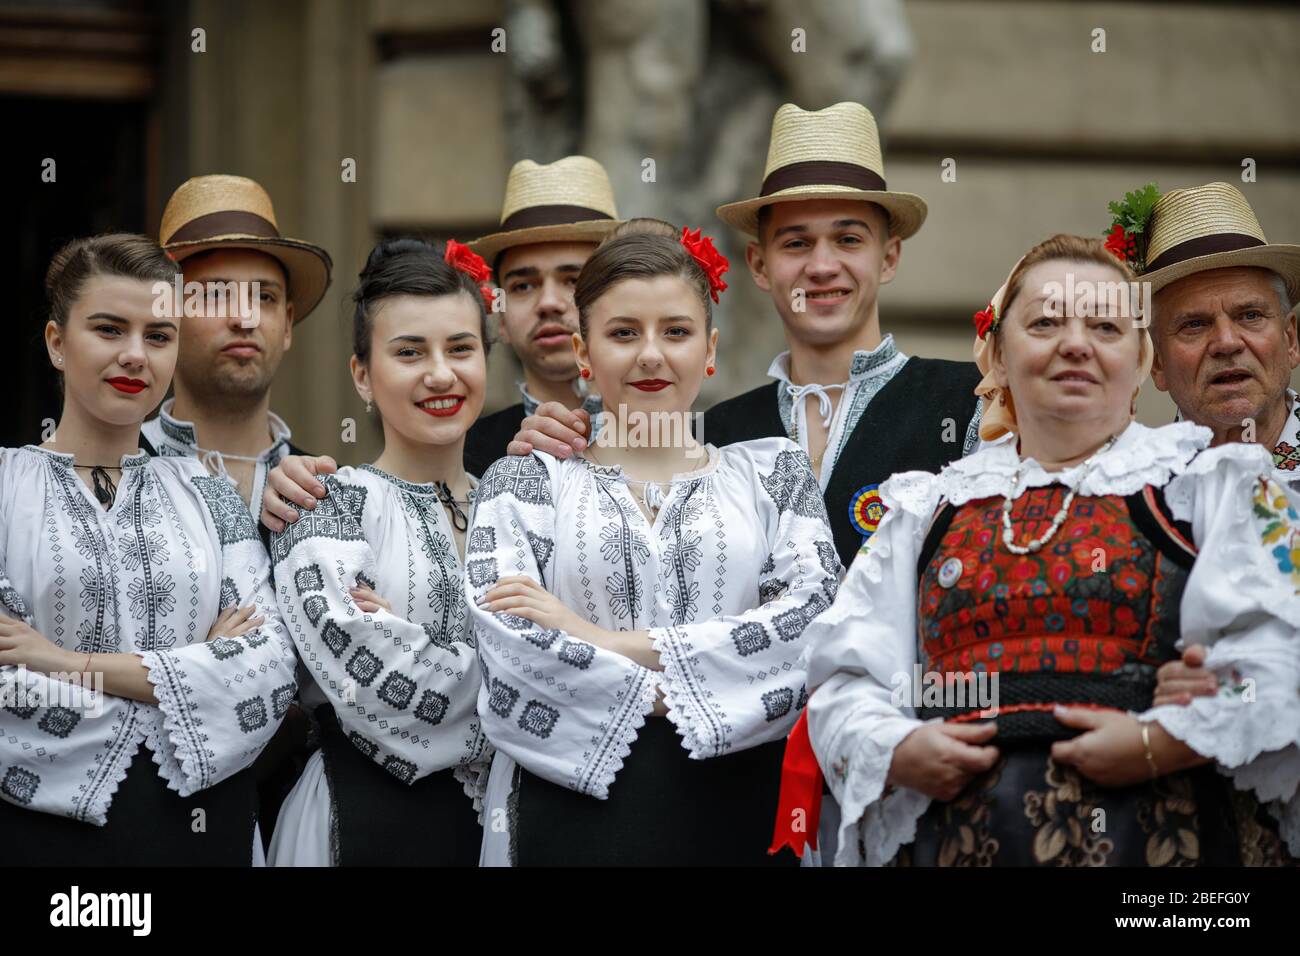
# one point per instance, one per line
(1044, 133)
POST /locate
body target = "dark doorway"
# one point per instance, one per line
(99, 151)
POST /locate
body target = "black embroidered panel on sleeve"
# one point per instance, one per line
(777, 703)
(337, 516)
(229, 512)
(20, 785)
(525, 478)
(792, 486)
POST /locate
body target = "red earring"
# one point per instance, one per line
(585, 373)
(708, 370)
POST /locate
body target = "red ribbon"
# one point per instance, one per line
(801, 793)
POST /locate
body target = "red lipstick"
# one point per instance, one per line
(446, 412)
(132, 386)
(650, 384)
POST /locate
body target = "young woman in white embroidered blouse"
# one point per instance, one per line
(640, 610)
(1070, 560)
(370, 582)
(127, 574)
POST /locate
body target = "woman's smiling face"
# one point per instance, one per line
(427, 369)
(647, 345)
(118, 356)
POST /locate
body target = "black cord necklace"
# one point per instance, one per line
(459, 520)
(105, 487)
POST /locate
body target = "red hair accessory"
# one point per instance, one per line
(461, 257)
(985, 320)
(711, 261)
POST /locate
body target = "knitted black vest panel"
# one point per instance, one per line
(916, 422)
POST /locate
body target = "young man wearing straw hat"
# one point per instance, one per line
(827, 235)
(552, 219)
(223, 232)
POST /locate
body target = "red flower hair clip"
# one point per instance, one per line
(985, 319)
(711, 261)
(464, 259)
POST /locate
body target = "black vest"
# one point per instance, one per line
(903, 428)
(488, 437)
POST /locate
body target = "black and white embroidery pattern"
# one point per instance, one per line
(538, 718)
(792, 486)
(308, 578)
(481, 541)
(336, 516)
(234, 523)
(523, 478)
(251, 714)
(790, 624)
(502, 697)
(750, 638)
(568, 709)
(20, 785)
(777, 703)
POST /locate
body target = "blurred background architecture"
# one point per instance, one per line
(1040, 129)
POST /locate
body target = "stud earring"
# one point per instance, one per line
(586, 373)
(370, 406)
(59, 360)
(708, 370)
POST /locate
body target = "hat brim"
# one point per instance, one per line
(308, 267)
(591, 230)
(1282, 259)
(907, 211)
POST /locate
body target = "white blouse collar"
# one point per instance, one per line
(615, 471)
(1140, 456)
(67, 459)
(185, 434)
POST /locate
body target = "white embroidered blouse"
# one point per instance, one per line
(1240, 600)
(403, 684)
(737, 562)
(148, 576)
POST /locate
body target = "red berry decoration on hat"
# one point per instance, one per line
(1126, 239)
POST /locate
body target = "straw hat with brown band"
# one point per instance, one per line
(569, 200)
(826, 154)
(1211, 227)
(231, 212)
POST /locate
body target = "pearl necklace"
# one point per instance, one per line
(1036, 544)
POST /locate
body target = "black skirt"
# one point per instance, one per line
(148, 825)
(664, 809)
(1028, 810)
(381, 821)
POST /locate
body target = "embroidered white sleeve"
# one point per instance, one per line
(560, 707)
(404, 700)
(1242, 601)
(222, 700)
(861, 657)
(738, 680)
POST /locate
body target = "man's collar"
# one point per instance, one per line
(184, 433)
(590, 400)
(864, 365)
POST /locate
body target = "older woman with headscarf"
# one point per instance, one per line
(982, 686)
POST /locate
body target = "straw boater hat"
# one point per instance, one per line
(569, 200)
(231, 212)
(826, 154)
(1211, 227)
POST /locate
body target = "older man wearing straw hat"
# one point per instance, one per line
(1224, 323)
(552, 219)
(1224, 328)
(223, 232)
